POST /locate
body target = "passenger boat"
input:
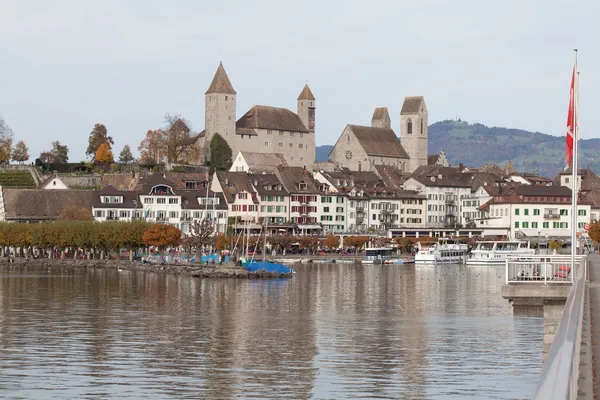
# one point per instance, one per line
(496, 252)
(446, 250)
(377, 255)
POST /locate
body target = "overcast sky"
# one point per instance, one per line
(68, 64)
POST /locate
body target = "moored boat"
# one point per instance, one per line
(446, 250)
(496, 252)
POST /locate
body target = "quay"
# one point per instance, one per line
(569, 300)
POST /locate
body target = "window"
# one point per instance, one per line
(517, 224)
(148, 200)
(280, 144)
(173, 214)
(281, 133)
(269, 132)
(161, 200)
(291, 145)
(536, 211)
(98, 213)
(266, 144)
(564, 212)
(566, 180)
(242, 195)
(546, 225)
(174, 201)
(291, 134)
(534, 224)
(325, 209)
(301, 135)
(526, 211)
(409, 127)
(191, 185)
(525, 224)
(581, 213)
(516, 211)
(299, 145)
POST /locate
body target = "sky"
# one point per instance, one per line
(66, 65)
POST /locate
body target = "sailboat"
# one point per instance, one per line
(264, 265)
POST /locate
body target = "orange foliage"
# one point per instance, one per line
(104, 155)
(332, 242)
(161, 236)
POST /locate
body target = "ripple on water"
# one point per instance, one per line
(334, 331)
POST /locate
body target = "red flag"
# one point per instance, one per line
(571, 122)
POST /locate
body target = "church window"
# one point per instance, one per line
(269, 132)
(359, 166)
(280, 144)
(291, 144)
(225, 98)
(409, 127)
(348, 138)
(301, 134)
(421, 127)
(301, 158)
(266, 144)
(299, 145)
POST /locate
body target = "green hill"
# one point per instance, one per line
(477, 144)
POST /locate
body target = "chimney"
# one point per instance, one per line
(440, 176)
(460, 166)
(432, 178)
(255, 182)
(226, 181)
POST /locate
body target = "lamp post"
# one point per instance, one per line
(538, 242)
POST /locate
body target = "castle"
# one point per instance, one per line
(267, 129)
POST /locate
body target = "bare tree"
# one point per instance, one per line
(177, 137)
(202, 233)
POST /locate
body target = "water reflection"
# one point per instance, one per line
(334, 331)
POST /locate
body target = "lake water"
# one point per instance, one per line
(334, 331)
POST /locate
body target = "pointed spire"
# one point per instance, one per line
(306, 94)
(221, 82)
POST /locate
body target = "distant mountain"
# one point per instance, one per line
(477, 144)
(322, 153)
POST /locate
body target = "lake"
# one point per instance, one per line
(334, 331)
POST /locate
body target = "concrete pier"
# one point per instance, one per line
(539, 300)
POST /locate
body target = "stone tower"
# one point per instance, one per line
(414, 131)
(381, 118)
(219, 104)
(306, 108)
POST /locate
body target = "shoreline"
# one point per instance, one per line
(226, 270)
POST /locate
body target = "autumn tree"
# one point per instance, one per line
(332, 241)
(177, 137)
(201, 234)
(20, 153)
(220, 154)
(6, 140)
(594, 232)
(356, 242)
(104, 155)
(125, 156)
(162, 236)
(98, 136)
(74, 213)
(153, 148)
(405, 244)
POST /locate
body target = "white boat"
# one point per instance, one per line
(446, 250)
(496, 252)
(377, 255)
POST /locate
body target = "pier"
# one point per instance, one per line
(569, 300)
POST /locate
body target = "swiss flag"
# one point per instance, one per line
(571, 122)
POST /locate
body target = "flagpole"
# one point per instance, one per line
(574, 171)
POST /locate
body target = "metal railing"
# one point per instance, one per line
(560, 375)
(552, 216)
(546, 269)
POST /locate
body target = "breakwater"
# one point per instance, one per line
(225, 270)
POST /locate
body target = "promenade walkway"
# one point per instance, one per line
(593, 288)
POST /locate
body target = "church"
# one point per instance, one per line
(262, 129)
(361, 148)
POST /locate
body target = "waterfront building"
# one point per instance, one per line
(241, 199)
(304, 198)
(274, 202)
(444, 189)
(40, 205)
(534, 211)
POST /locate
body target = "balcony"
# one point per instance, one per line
(386, 211)
(449, 201)
(186, 218)
(359, 220)
(360, 210)
(552, 216)
(162, 218)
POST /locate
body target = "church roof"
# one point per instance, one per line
(381, 142)
(510, 168)
(221, 82)
(411, 105)
(306, 94)
(381, 113)
(266, 117)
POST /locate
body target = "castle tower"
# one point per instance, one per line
(381, 118)
(414, 131)
(219, 104)
(306, 108)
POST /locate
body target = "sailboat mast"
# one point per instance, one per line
(574, 189)
(265, 242)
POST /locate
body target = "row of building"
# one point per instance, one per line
(261, 192)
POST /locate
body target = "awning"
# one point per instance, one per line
(546, 232)
(300, 226)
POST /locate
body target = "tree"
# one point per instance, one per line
(332, 242)
(20, 153)
(125, 156)
(405, 243)
(74, 213)
(58, 154)
(177, 137)
(98, 136)
(6, 140)
(220, 154)
(201, 234)
(104, 155)
(153, 148)
(161, 236)
(594, 231)
(357, 242)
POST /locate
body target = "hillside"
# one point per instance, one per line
(322, 153)
(477, 144)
